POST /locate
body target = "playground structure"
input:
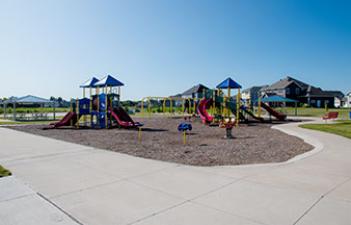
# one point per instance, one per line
(213, 106)
(169, 104)
(101, 110)
(218, 108)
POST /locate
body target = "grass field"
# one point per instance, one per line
(314, 112)
(342, 127)
(34, 110)
(25, 122)
(4, 172)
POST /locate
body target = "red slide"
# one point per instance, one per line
(68, 120)
(270, 110)
(123, 119)
(201, 109)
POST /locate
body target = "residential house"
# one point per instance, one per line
(304, 93)
(338, 98)
(195, 92)
(251, 95)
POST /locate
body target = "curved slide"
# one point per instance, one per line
(250, 113)
(69, 119)
(276, 114)
(202, 111)
(123, 119)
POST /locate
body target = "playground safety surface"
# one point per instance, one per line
(252, 143)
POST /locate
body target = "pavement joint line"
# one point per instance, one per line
(157, 212)
(131, 177)
(190, 199)
(308, 210)
(109, 183)
(45, 137)
(176, 205)
(336, 187)
(320, 199)
(18, 197)
(215, 190)
(229, 213)
(85, 189)
(43, 156)
(60, 209)
(155, 189)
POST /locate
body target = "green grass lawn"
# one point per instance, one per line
(10, 122)
(342, 127)
(4, 172)
(34, 110)
(314, 112)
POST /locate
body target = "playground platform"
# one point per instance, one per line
(93, 186)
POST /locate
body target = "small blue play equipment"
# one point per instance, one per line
(185, 127)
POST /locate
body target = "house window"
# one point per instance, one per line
(297, 91)
(287, 91)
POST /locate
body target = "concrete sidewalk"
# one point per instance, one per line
(21, 205)
(100, 187)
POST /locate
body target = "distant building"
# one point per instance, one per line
(195, 92)
(347, 100)
(338, 98)
(294, 89)
(251, 95)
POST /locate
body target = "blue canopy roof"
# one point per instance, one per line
(277, 98)
(89, 83)
(228, 83)
(108, 81)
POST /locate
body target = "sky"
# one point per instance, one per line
(163, 47)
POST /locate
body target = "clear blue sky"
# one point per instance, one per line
(160, 48)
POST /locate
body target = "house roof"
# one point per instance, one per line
(254, 88)
(29, 99)
(317, 92)
(283, 83)
(228, 83)
(195, 89)
(109, 81)
(336, 94)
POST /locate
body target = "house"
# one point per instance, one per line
(195, 92)
(304, 93)
(338, 98)
(250, 95)
(347, 100)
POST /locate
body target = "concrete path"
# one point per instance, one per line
(91, 186)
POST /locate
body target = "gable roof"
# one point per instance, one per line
(195, 89)
(317, 92)
(254, 88)
(283, 83)
(336, 94)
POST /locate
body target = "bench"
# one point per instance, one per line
(330, 116)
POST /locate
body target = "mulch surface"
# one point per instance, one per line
(206, 146)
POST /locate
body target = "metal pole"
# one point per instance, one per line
(237, 107)
(14, 111)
